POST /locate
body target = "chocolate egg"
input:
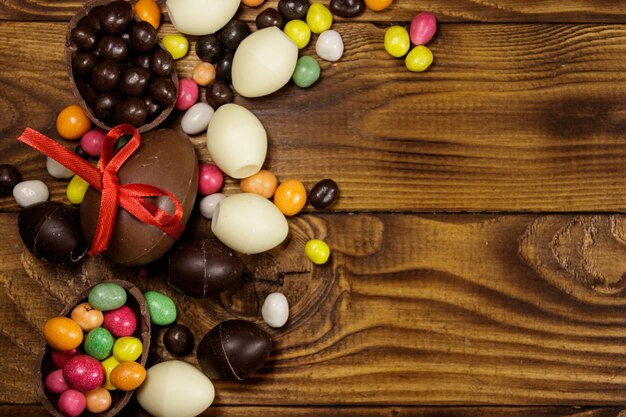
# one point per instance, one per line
(165, 159)
(203, 268)
(51, 231)
(233, 349)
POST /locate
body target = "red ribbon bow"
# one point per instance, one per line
(104, 179)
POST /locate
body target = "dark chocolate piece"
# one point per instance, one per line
(218, 94)
(209, 48)
(83, 64)
(104, 105)
(323, 194)
(224, 66)
(161, 63)
(131, 111)
(293, 9)
(347, 8)
(269, 17)
(106, 75)
(9, 178)
(178, 340)
(116, 16)
(84, 37)
(135, 81)
(113, 47)
(143, 36)
(163, 91)
(233, 33)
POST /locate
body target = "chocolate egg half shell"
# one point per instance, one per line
(51, 231)
(234, 349)
(166, 159)
(202, 268)
(137, 304)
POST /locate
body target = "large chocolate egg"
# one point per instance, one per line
(165, 159)
(51, 231)
(203, 268)
(233, 349)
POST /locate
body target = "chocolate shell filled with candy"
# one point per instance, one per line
(48, 362)
(114, 62)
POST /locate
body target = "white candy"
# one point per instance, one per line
(208, 204)
(329, 46)
(236, 141)
(197, 118)
(175, 389)
(249, 223)
(275, 310)
(201, 17)
(263, 62)
(30, 192)
(57, 170)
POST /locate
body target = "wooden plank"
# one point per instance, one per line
(509, 118)
(411, 310)
(574, 11)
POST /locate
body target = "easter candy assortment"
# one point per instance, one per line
(398, 41)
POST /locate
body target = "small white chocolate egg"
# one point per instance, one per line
(57, 170)
(30, 192)
(263, 62)
(201, 17)
(275, 310)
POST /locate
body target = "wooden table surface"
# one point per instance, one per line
(478, 245)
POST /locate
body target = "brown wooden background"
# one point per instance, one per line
(478, 244)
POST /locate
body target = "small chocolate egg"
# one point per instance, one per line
(51, 231)
(9, 178)
(178, 340)
(269, 17)
(233, 349)
(202, 268)
(233, 33)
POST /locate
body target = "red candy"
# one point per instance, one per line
(120, 322)
(187, 94)
(92, 141)
(83, 373)
(211, 179)
(72, 403)
(60, 357)
(55, 383)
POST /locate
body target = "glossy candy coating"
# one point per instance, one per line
(419, 59)
(149, 11)
(423, 28)
(208, 204)
(72, 403)
(263, 183)
(31, 192)
(114, 48)
(143, 37)
(178, 340)
(317, 251)
(197, 118)
(84, 37)
(233, 33)
(76, 189)
(98, 343)
(252, 3)
(60, 357)
(163, 91)
(347, 8)
(269, 17)
(109, 364)
(307, 72)
(62, 333)
(116, 16)
(98, 400)
(275, 310)
(324, 193)
(105, 77)
(299, 32)
(293, 9)
(107, 296)
(83, 373)
(161, 63)
(204, 73)
(87, 317)
(72, 122)
(319, 18)
(210, 179)
(92, 142)
(83, 64)
(224, 65)
(162, 308)
(329, 46)
(176, 45)
(218, 94)
(397, 42)
(209, 48)
(188, 92)
(134, 81)
(9, 178)
(128, 375)
(290, 197)
(378, 5)
(127, 349)
(105, 104)
(55, 383)
(120, 322)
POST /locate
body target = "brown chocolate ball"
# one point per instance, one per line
(233, 33)
(163, 91)
(161, 63)
(269, 17)
(178, 340)
(218, 94)
(323, 194)
(116, 16)
(9, 178)
(131, 111)
(104, 105)
(143, 36)
(84, 37)
(106, 75)
(83, 63)
(113, 47)
(135, 81)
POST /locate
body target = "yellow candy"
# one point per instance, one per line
(127, 349)
(419, 59)
(317, 251)
(319, 18)
(298, 32)
(397, 41)
(109, 364)
(76, 189)
(177, 45)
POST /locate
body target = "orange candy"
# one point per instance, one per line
(149, 11)
(263, 183)
(98, 400)
(204, 73)
(290, 197)
(252, 3)
(87, 317)
(127, 376)
(72, 122)
(62, 333)
(378, 5)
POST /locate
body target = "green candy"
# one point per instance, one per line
(99, 343)
(161, 307)
(307, 72)
(107, 296)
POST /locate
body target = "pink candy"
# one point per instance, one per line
(423, 28)
(72, 403)
(211, 179)
(55, 383)
(188, 92)
(120, 322)
(92, 141)
(59, 357)
(83, 373)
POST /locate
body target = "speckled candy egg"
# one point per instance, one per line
(83, 373)
(120, 322)
(162, 308)
(107, 296)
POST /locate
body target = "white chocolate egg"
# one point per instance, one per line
(275, 310)
(263, 62)
(201, 17)
(175, 389)
(237, 141)
(249, 223)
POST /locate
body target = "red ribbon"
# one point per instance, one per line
(104, 179)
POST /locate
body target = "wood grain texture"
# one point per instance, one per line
(573, 11)
(411, 310)
(509, 118)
